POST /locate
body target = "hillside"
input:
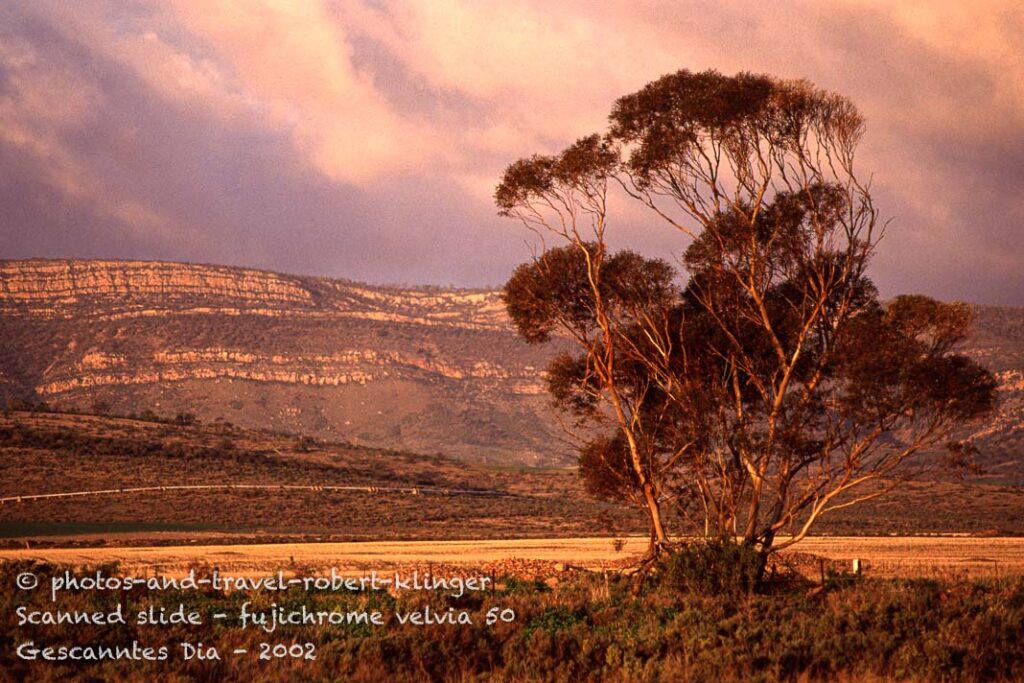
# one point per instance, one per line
(218, 483)
(427, 370)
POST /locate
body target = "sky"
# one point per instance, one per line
(363, 138)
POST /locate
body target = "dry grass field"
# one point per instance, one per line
(897, 623)
(45, 453)
(919, 557)
(259, 530)
(48, 453)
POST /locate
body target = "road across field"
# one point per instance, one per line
(404, 490)
(884, 556)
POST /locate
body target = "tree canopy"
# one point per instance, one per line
(766, 384)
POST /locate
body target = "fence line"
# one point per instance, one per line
(414, 491)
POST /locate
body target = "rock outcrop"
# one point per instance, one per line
(411, 368)
(422, 369)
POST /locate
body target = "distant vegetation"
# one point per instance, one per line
(44, 452)
(584, 629)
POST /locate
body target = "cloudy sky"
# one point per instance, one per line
(363, 138)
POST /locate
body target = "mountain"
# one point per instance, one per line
(421, 369)
(997, 342)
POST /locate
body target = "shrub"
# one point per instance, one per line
(870, 630)
(711, 567)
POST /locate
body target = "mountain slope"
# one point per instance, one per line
(416, 369)
(419, 369)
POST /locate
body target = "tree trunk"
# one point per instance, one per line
(764, 551)
(659, 539)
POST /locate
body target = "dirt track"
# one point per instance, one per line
(885, 556)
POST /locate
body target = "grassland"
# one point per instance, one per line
(587, 627)
(957, 557)
(882, 557)
(43, 453)
(927, 608)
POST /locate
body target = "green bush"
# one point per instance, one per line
(870, 630)
(712, 567)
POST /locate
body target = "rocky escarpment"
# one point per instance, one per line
(421, 369)
(418, 369)
(97, 369)
(60, 284)
(118, 290)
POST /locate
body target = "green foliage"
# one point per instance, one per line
(553, 620)
(583, 162)
(605, 469)
(776, 367)
(555, 290)
(874, 629)
(673, 117)
(712, 567)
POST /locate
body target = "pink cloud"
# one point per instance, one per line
(295, 58)
(373, 96)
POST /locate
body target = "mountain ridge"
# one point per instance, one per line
(427, 369)
(390, 366)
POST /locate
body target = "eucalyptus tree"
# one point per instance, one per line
(766, 385)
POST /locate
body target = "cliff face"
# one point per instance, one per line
(112, 290)
(417, 369)
(61, 284)
(427, 370)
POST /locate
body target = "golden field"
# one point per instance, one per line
(938, 556)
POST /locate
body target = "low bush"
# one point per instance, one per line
(869, 630)
(712, 567)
